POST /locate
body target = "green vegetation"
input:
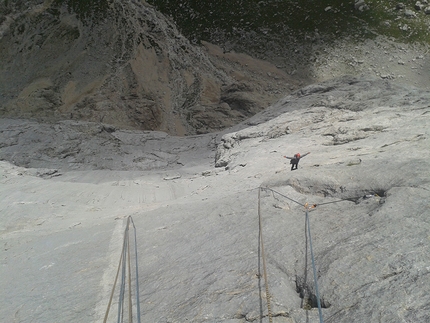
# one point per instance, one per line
(87, 10)
(205, 20)
(386, 19)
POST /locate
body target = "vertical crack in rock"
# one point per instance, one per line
(307, 294)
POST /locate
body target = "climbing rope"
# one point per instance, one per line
(317, 294)
(350, 199)
(288, 198)
(124, 264)
(269, 310)
(137, 272)
(307, 209)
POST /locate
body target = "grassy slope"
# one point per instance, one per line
(300, 19)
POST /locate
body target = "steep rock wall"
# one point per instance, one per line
(125, 65)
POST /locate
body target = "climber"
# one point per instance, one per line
(295, 160)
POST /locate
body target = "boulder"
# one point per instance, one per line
(361, 5)
(400, 6)
(409, 14)
(419, 5)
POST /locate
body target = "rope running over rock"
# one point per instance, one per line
(269, 310)
(125, 261)
(124, 264)
(317, 294)
(307, 209)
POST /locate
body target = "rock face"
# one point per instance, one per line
(78, 84)
(350, 97)
(125, 64)
(197, 225)
(73, 145)
(117, 62)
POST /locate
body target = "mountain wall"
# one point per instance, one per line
(121, 63)
(125, 64)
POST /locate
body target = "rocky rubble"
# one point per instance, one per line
(314, 42)
(360, 5)
(141, 73)
(127, 65)
(73, 145)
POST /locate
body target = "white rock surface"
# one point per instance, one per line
(61, 227)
